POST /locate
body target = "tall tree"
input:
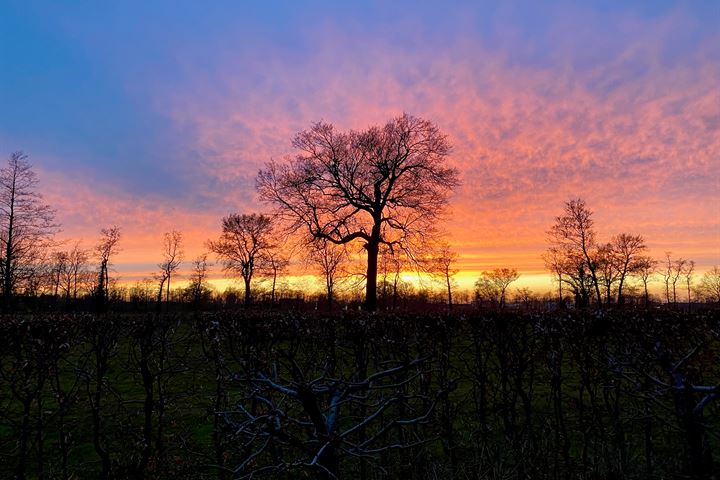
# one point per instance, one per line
(26, 224)
(105, 249)
(379, 186)
(667, 274)
(573, 236)
(688, 272)
(172, 258)
(244, 246)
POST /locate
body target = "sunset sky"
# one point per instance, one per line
(157, 115)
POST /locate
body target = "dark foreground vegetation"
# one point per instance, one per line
(625, 394)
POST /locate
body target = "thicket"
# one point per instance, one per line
(606, 394)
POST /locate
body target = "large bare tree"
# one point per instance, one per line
(382, 185)
(26, 224)
(244, 246)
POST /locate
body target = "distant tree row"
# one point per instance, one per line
(377, 194)
(595, 271)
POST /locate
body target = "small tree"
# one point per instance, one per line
(277, 263)
(443, 264)
(244, 246)
(328, 259)
(75, 273)
(494, 284)
(198, 289)
(645, 269)
(172, 258)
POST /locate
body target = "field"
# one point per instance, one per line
(253, 394)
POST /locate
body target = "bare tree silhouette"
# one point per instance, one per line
(198, 289)
(671, 275)
(328, 259)
(26, 224)
(689, 272)
(627, 250)
(278, 261)
(494, 284)
(573, 239)
(172, 258)
(105, 249)
(244, 246)
(381, 185)
(75, 274)
(710, 285)
(442, 263)
(645, 269)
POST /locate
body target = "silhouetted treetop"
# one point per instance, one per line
(27, 224)
(382, 185)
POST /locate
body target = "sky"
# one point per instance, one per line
(157, 115)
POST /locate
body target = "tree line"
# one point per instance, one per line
(378, 194)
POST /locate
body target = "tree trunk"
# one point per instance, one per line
(449, 290)
(274, 282)
(167, 293)
(372, 247)
(247, 292)
(158, 304)
(329, 286)
(9, 254)
(594, 278)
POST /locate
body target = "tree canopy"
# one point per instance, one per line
(383, 185)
